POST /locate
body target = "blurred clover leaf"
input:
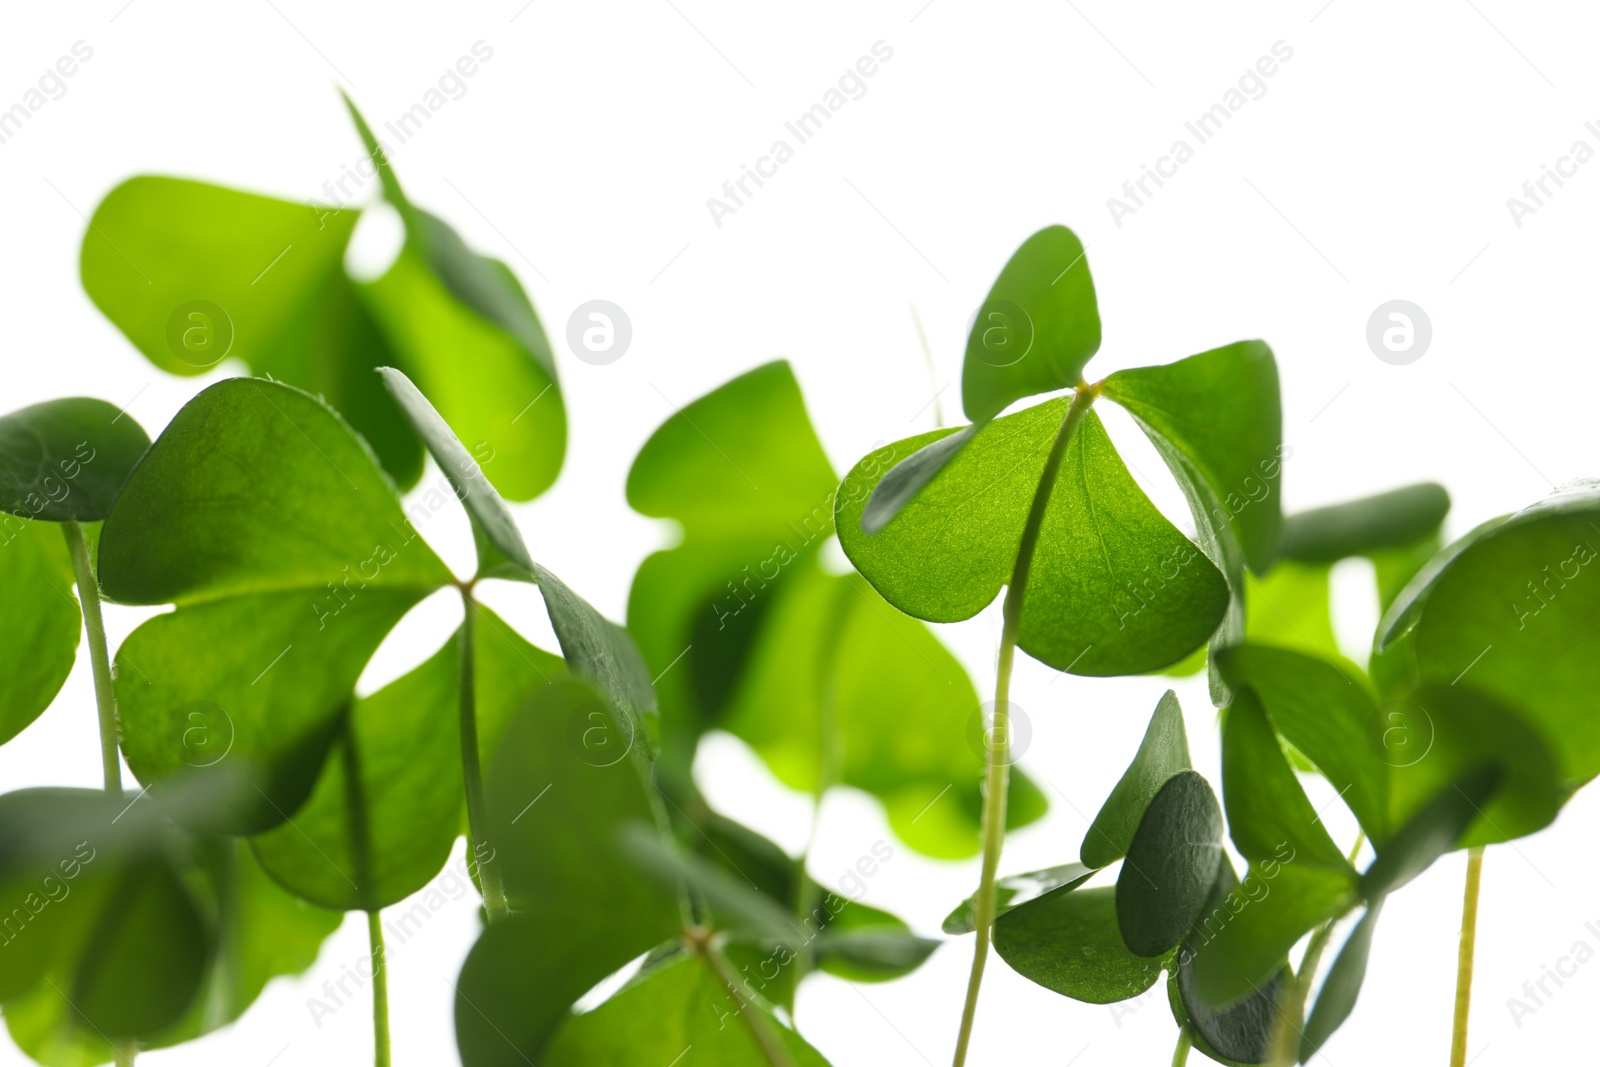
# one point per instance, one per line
(750, 633)
(195, 273)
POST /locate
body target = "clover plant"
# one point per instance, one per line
(266, 521)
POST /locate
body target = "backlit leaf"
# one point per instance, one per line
(39, 621)
(1036, 329)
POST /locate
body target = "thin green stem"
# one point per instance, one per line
(760, 1024)
(1180, 1055)
(494, 893)
(1286, 1034)
(1469, 941)
(380, 991)
(998, 774)
(124, 1052)
(104, 695)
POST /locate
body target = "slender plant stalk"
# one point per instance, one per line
(1286, 1034)
(380, 990)
(1469, 942)
(124, 1052)
(1180, 1055)
(494, 893)
(104, 695)
(998, 774)
(761, 1027)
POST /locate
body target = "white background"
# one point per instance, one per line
(1376, 166)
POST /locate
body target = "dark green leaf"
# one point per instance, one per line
(1114, 589)
(1236, 1032)
(265, 519)
(39, 621)
(1163, 753)
(1339, 990)
(1036, 329)
(683, 1009)
(194, 273)
(1510, 610)
(1435, 829)
(1269, 816)
(1171, 865)
(66, 460)
(1068, 942)
(1015, 890)
(1387, 520)
(1215, 419)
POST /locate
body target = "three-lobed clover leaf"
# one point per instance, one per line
(195, 273)
(269, 525)
(1111, 586)
(1509, 610)
(749, 632)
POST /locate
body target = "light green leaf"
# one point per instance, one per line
(1215, 419)
(1171, 865)
(1509, 610)
(66, 460)
(741, 461)
(195, 273)
(682, 1009)
(266, 520)
(463, 326)
(1291, 608)
(1339, 990)
(39, 621)
(1114, 588)
(1015, 890)
(1036, 329)
(1163, 753)
(1068, 942)
(1361, 527)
